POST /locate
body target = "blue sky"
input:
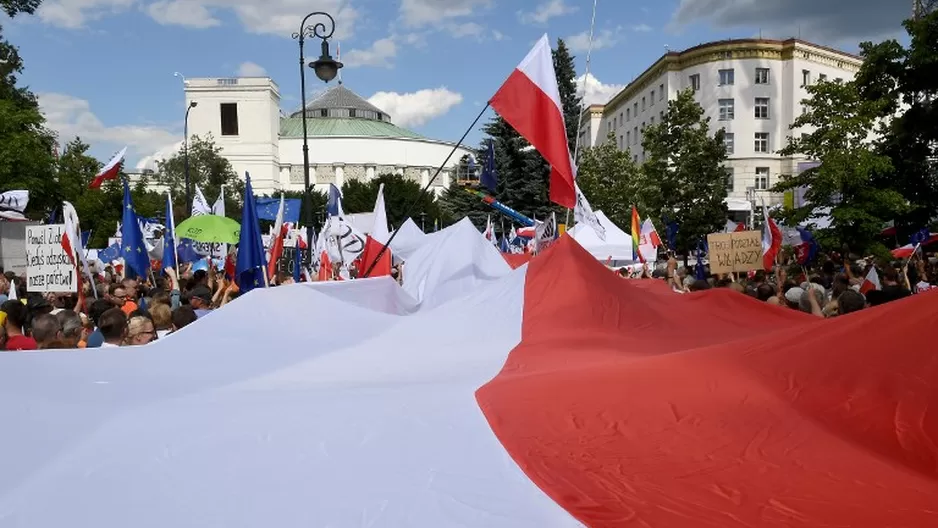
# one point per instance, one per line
(104, 68)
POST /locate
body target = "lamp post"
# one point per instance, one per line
(185, 126)
(326, 70)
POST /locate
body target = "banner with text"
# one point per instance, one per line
(48, 267)
(735, 252)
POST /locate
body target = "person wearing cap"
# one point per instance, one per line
(201, 300)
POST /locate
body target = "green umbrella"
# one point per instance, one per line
(210, 229)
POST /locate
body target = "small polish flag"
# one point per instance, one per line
(530, 102)
(771, 240)
(871, 282)
(110, 171)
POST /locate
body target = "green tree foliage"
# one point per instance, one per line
(845, 181)
(27, 148)
(400, 194)
(14, 7)
(683, 176)
(608, 177)
(207, 169)
(523, 175)
(903, 83)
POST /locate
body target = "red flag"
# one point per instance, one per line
(529, 101)
(110, 171)
(370, 255)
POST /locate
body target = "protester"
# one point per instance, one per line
(162, 318)
(96, 339)
(201, 300)
(113, 326)
(46, 331)
(14, 325)
(73, 329)
(182, 317)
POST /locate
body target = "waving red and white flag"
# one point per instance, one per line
(109, 171)
(771, 240)
(530, 102)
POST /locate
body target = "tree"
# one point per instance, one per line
(565, 69)
(683, 176)
(26, 146)
(207, 169)
(400, 194)
(903, 82)
(608, 177)
(845, 181)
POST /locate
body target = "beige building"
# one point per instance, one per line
(752, 88)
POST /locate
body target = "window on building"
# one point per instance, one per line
(762, 179)
(805, 78)
(727, 109)
(643, 104)
(661, 115)
(643, 126)
(730, 179)
(727, 77)
(839, 80)
(608, 127)
(635, 136)
(229, 119)
(628, 114)
(822, 77)
(651, 96)
(729, 139)
(661, 92)
(652, 121)
(762, 76)
(628, 138)
(615, 123)
(695, 82)
(635, 109)
(323, 112)
(762, 142)
(762, 107)
(352, 113)
(620, 142)
(635, 158)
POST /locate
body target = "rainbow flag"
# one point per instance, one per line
(636, 234)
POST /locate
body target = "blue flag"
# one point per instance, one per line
(504, 246)
(132, 247)
(671, 229)
(186, 252)
(169, 236)
(920, 237)
(85, 235)
(267, 209)
(110, 253)
(251, 267)
(334, 205)
(297, 262)
(700, 271)
(489, 178)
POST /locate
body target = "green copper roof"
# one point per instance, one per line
(292, 127)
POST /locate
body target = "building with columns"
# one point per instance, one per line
(752, 88)
(349, 138)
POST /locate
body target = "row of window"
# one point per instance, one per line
(727, 77)
(761, 182)
(760, 140)
(653, 96)
(727, 108)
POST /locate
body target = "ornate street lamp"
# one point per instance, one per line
(192, 104)
(326, 69)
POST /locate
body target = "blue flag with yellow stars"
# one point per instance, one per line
(251, 267)
(133, 249)
(267, 209)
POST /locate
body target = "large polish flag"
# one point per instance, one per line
(530, 102)
(400, 412)
(109, 171)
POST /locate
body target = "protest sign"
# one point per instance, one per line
(48, 266)
(735, 252)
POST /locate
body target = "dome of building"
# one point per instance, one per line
(341, 112)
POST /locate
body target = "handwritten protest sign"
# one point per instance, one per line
(48, 267)
(735, 252)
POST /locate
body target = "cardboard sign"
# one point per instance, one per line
(735, 252)
(48, 266)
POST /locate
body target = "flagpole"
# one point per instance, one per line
(579, 117)
(426, 188)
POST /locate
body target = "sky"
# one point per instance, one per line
(104, 69)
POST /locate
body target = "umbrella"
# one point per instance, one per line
(210, 229)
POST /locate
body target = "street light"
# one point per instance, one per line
(326, 69)
(192, 104)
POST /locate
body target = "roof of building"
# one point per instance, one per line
(292, 127)
(339, 101)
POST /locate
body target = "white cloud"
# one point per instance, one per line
(595, 91)
(642, 28)
(278, 17)
(417, 13)
(381, 53)
(580, 42)
(250, 69)
(546, 11)
(416, 108)
(72, 117)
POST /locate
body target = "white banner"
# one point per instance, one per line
(48, 267)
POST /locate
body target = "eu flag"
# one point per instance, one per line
(110, 253)
(489, 178)
(169, 236)
(267, 209)
(251, 267)
(186, 252)
(132, 247)
(920, 237)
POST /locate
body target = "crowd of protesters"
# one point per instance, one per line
(118, 311)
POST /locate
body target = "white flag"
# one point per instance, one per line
(200, 204)
(379, 230)
(219, 207)
(13, 204)
(582, 212)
